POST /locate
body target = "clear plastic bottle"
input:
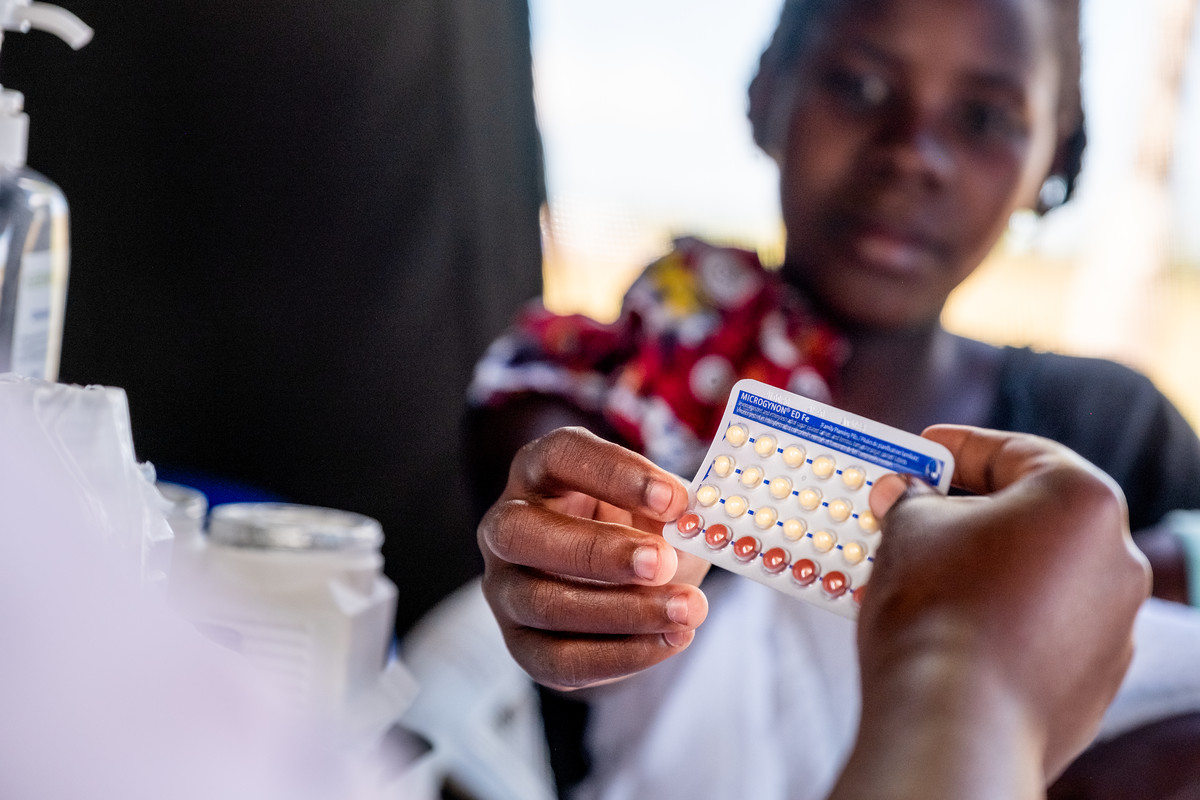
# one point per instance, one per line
(33, 275)
(34, 243)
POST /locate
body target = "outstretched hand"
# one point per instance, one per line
(1001, 622)
(577, 573)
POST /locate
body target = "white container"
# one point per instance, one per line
(299, 591)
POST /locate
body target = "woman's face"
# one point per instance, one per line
(917, 128)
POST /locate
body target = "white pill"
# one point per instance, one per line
(840, 510)
(854, 552)
(794, 455)
(765, 517)
(765, 445)
(810, 499)
(752, 477)
(854, 478)
(781, 487)
(737, 435)
(707, 494)
(823, 541)
(794, 529)
(867, 521)
(823, 467)
(723, 466)
(736, 506)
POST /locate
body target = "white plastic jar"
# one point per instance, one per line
(299, 591)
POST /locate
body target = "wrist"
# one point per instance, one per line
(939, 721)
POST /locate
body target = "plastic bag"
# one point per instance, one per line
(64, 445)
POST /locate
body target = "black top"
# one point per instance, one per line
(1112, 416)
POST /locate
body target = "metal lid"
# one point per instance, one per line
(185, 501)
(286, 526)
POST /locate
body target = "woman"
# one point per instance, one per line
(906, 132)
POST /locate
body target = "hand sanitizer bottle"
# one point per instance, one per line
(34, 245)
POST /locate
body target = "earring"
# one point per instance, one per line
(1053, 193)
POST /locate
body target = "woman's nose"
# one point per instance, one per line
(912, 143)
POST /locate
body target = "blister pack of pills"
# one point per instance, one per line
(781, 496)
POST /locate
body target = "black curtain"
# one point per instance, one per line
(295, 226)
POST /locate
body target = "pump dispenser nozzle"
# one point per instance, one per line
(21, 15)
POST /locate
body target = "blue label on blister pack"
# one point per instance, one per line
(831, 434)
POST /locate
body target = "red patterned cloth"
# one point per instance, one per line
(696, 321)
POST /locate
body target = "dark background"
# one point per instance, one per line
(295, 226)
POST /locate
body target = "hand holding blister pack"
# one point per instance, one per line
(781, 496)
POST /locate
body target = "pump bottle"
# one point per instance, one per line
(34, 244)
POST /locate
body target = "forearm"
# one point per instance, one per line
(934, 727)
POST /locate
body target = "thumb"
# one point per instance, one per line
(891, 488)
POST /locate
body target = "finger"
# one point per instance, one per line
(1058, 487)
(575, 459)
(989, 462)
(986, 461)
(576, 662)
(549, 603)
(524, 533)
(889, 489)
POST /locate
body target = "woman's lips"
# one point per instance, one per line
(897, 253)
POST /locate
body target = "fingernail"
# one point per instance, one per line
(886, 492)
(677, 638)
(677, 609)
(658, 497)
(645, 562)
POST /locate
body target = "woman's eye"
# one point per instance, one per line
(860, 91)
(990, 121)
